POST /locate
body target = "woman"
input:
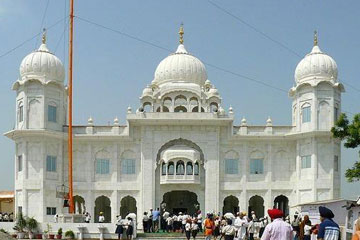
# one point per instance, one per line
(209, 226)
(129, 229)
(304, 222)
(194, 228)
(187, 228)
(119, 227)
(217, 227)
(356, 235)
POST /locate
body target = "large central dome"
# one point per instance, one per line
(180, 67)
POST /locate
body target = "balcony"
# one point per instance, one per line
(180, 179)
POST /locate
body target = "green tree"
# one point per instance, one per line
(350, 132)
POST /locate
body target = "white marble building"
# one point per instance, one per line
(180, 147)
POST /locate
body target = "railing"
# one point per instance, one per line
(179, 179)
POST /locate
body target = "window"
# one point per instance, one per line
(306, 114)
(163, 169)
(189, 168)
(336, 114)
(51, 163)
(51, 113)
(20, 163)
(21, 113)
(128, 166)
(102, 166)
(306, 161)
(196, 169)
(180, 168)
(256, 166)
(171, 168)
(231, 166)
(19, 209)
(50, 210)
(336, 163)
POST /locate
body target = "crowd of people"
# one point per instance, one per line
(6, 217)
(242, 227)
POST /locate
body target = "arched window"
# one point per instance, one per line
(20, 112)
(163, 169)
(196, 169)
(214, 107)
(158, 109)
(147, 107)
(180, 109)
(189, 168)
(167, 101)
(180, 168)
(306, 113)
(170, 168)
(193, 101)
(165, 109)
(196, 109)
(180, 100)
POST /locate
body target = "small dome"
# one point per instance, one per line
(180, 66)
(42, 63)
(316, 64)
(213, 91)
(147, 91)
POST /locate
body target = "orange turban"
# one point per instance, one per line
(275, 213)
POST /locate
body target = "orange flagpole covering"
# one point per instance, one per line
(70, 136)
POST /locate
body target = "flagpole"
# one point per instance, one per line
(70, 136)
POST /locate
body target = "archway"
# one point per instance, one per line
(231, 205)
(256, 204)
(181, 201)
(102, 204)
(127, 205)
(79, 204)
(281, 202)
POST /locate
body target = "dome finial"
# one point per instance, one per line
(315, 38)
(44, 36)
(181, 33)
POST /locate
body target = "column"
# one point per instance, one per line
(90, 204)
(298, 171)
(269, 165)
(114, 205)
(315, 166)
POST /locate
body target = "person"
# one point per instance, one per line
(209, 226)
(251, 228)
(155, 220)
(296, 225)
(87, 217)
(302, 227)
(194, 228)
(307, 230)
(277, 229)
(262, 226)
(56, 218)
(183, 222)
(217, 223)
(169, 223)
(129, 228)
(187, 229)
(101, 217)
(229, 230)
(150, 223)
(145, 222)
(165, 215)
(199, 220)
(119, 227)
(328, 229)
(241, 225)
(356, 235)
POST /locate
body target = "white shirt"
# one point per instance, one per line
(199, 218)
(166, 215)
(278, 230)
(229, 230)
(307, 229)
(184, 219)
(88, 218)
(169, 220)
(101, 219)
(145, 218)
(187, 227)
(194, 226)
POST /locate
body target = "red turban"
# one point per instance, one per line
(275, 213)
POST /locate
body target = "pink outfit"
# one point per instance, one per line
(277, 230)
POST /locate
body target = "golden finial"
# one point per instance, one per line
(315, 38)
(181, 33)
(44, 36)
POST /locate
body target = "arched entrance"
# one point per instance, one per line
(281, 202)
(79, 204)
(231, 205)
(127, 205)
(256, 204)
(102, 204)
(181, 201)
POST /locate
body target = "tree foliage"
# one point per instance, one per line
(350, 133)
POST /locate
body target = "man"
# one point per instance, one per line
(101, 217)
(328, 229)
(240, 225)
(296, 226)
(155, 220)
(278, 229)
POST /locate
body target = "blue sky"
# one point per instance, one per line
(111, 70)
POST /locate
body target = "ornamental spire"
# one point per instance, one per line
(44, 36)
(315, 38)
(181, 33)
